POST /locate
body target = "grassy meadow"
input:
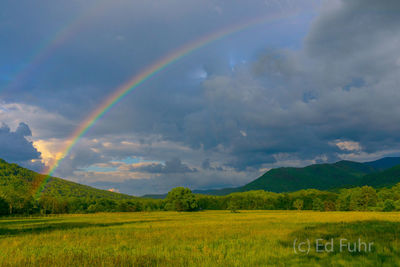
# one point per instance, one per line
(210, 238)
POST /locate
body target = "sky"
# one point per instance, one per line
(311, 82)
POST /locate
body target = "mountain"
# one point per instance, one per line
(26, 182)
(321, 176)
(379, 173)
(384, 178)
(218, 192)
(58, 187)
(384, 163)
(155, 196)
(317, 176)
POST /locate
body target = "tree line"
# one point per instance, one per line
(364, 198)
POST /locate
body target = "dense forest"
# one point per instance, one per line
(19, 195)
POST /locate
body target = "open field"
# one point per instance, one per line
(212, 238)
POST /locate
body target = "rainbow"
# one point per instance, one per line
(49, 46)
(140, 78)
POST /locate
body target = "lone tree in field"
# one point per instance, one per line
(298, 204)
(181, 199)
(234, 204)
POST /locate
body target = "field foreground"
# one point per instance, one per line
(212, 238)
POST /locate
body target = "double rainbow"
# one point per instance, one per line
(140, 78)
(50, 45)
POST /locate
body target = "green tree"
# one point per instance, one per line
(283, 202)
(52, 205)
(388, 205)
(181, 199)
(298, 204)
(343, 200)
(358, 198)
(15, 195)
(4, 207)
(329, 205)
(234, 204)
(368, 197)
(318, 204)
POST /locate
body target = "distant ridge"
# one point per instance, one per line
(318, 176)
(384, 178)
(384, 163)
(341, 174)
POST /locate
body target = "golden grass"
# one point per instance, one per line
(211, 238)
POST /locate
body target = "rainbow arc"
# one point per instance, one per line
(142, 77)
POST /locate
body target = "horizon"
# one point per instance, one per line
(207, 190)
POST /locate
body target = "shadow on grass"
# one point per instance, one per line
(83, 259)
(49, 226)
(18, 221)
(385, 250)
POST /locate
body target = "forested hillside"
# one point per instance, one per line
(57, 187)
(342, 174)
(19, 188)
(318, 176)
(387, 177)
(26, 182)
(384, 163)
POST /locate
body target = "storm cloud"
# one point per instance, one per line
(171, 166)
(317, 83)
(15, 147)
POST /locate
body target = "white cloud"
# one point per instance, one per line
(43, 123)
(348, 145)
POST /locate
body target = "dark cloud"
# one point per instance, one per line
(106, 42)
(206, 165)
(23, 130)
(304, 89)
(174, 165)
(297, 104)
(165, 182)
(14, 146)
(81, 157)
